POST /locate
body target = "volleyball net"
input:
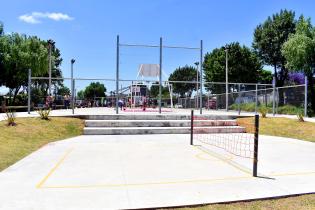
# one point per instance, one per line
(237, 137)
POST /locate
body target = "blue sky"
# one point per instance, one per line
(87, 30)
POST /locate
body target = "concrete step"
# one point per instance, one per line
(157, 123)
(155, 117)
(160, 130)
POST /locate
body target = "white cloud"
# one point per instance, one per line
(35, 17)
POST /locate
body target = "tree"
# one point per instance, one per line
(55, 71)
(80, 94)
(299, 51)
(64, 91)
(155, 88)
(243, 66)
(1, 55)
(269, 38)
(20, 53)
(95, 89)
(264, 76)
(1, 29)
(186, 73)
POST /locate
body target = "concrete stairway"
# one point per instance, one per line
(157, 124)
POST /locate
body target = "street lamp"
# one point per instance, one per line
(51, 43)
(72, 86)
(226, 49)
(197, 64)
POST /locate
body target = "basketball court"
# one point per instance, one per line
(146, 171)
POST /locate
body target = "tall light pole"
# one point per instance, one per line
(50, 45)
(72, 86)
(197, 86)
(226, 49)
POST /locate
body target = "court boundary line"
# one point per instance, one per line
(53, 169)
(229, 161)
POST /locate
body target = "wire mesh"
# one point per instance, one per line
(235, 137)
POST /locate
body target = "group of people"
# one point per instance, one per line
(50, 102)
(142, 103)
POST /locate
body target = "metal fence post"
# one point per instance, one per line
(256, 136)
(256, 99)
(192, 128)
(305, 97)
(201, 59)
(239, 99)
(274, 96)
(160, 77)
(117, 73)
(29, 91)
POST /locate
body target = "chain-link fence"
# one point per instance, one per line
(279, 100)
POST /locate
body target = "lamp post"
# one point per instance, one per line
(72, 86)
(50, 45)
(226, 49)
(197, 85)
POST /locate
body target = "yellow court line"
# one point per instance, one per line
(173, 182)
(40, 184)
(226, 160)
(152, 183)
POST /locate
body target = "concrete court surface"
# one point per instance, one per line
(125, 172)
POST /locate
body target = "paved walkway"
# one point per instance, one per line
(111, 111)
(119, 172)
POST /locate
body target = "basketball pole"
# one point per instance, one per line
(160, 77)
(200, 78)
(117, 73)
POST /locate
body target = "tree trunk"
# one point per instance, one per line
(15, 94)
(275, 74)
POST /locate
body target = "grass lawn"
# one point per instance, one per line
(30, 134)
(284, 127)
(302, 202)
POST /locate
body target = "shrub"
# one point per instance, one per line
(300, 116)
(263, 111)
(10, 117)
(44, 114)
(289, 109)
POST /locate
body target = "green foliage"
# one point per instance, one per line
(44, 114)
(64, 91)
(154, 91)
(269, 38)
(265, 76)
(10, 117)
(95, 89)
(300, 116)
(243, 66)
(18, 53)
(80, 95)
(263, 110)
(1, 29)
(289, 109)
(247, 107)
(300, 54)
(186, 73)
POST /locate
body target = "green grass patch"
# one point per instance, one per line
(30, 134)
(302, 202)
(284, 127)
